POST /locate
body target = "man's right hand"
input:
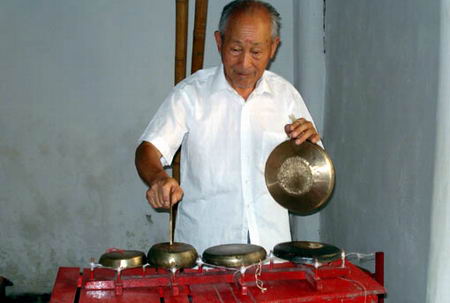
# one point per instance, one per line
(164, 192)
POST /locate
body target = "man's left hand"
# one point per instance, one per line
(301, 130)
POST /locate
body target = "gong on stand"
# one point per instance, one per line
(306, 252)
(172, 255)
(122, 259)
(234, 255)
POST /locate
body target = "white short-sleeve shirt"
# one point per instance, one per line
(225, 144)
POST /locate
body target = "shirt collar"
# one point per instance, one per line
(220, 83)
(263, 85)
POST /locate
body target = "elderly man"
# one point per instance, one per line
(228, 119)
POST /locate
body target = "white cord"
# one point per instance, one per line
(259, 283)
(242, 270)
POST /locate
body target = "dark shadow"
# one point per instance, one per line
(28, 298)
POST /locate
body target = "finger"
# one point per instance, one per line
(159, 202)
(294, 129)
(157, 194)
(315, 138)
(152, 198)
(306, 127)
(287, 129)
(165, 197)
(305, 136)
(176, 195)
(298, 122)
(303, 126)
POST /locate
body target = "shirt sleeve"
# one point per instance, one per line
(168, 127)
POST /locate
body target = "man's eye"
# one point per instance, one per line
(256, 53)
(235, 50)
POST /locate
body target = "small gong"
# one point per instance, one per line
(123, 259)
(234, 255)
(305, 252)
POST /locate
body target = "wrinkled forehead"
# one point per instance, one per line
(255, 22)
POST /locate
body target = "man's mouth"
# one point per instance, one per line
(244, 75)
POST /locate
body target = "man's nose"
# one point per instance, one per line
(246, 60)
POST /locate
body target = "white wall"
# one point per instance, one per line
(309, 59)
(79, 81)
(309, 78)
(438, 289)
(380, 119)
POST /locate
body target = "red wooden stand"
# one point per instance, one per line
(336, 282)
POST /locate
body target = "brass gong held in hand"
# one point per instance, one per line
(300, 177)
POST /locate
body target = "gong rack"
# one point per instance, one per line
(98, 277)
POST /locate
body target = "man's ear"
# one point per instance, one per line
(275, 43)
(218, 37)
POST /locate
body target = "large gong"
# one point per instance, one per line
(300, 177)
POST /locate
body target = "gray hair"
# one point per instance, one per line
(243, 5)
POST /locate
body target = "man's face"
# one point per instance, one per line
(246, 49)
